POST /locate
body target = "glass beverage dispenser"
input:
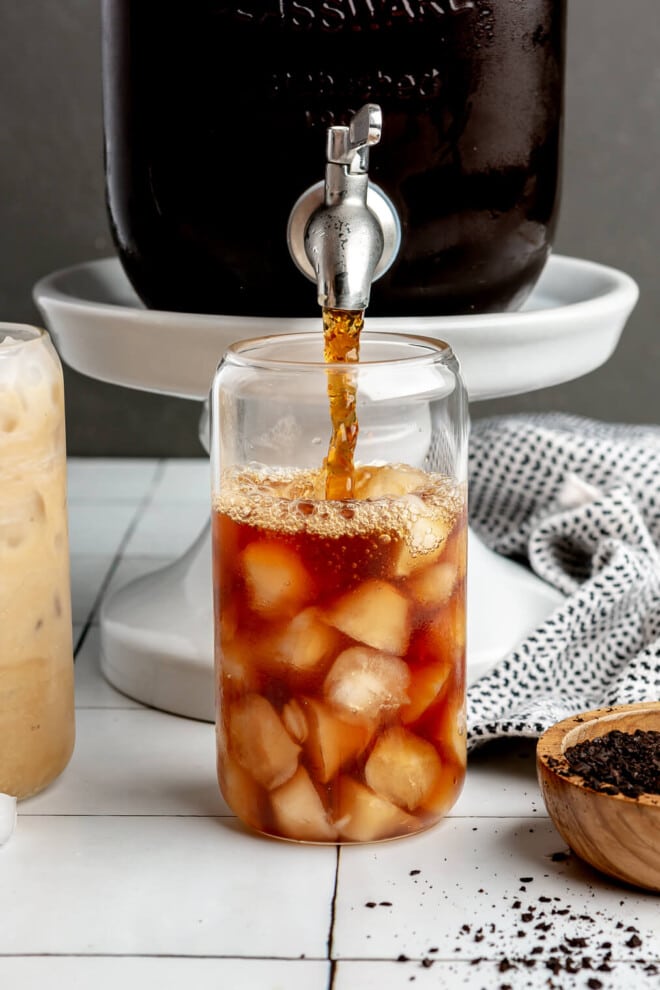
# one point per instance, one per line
(215, 122)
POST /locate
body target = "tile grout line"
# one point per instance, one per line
(160, 955)
(331, 927)
(523, 819)
(450, 960)
(140, 510)
(128, 814)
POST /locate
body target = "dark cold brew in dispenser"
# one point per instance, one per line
(215, 123)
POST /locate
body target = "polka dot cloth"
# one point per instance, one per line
(579, 502)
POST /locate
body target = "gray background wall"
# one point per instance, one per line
(52, 211)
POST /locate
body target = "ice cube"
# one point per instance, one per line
(424, 542)
(456, 549)
(277, 582)
(374, 613)
(13, 535)
(307, 642)
(299, 812)
(446, 633)
(426, 684)
(362, 816)
(240, 792)
(294, 720)
(237, 667)
(57, 394)
(23, 514)
(33, 373)
(366, 684)
(433, 585)
(228, 621)
(10, 413)
(450, 731)
(403, 768)
(331, 742)
(258, 740)
(388, 479)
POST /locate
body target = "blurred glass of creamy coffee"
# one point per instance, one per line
(36, 654)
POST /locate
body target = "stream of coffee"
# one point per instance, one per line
(341, 344)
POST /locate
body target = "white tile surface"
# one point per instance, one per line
(130, 568)
(184, 480)
(168, 886)
(415, 975)
(135, 762)
(88, 572)
(109, 973)
(129, 870)
(471, 871)
(168, 529)
(99, 527)
(501, 780)
(101, 479)
(92, 689)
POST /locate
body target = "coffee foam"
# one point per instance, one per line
(291, 502)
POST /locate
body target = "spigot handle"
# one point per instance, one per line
(344, 233)
(350, 145)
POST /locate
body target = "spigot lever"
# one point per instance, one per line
(350, 145)
(344, 232)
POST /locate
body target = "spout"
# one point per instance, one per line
(344, 239)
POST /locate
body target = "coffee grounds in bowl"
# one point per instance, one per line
(618, 762)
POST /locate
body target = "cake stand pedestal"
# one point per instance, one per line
(157, 631)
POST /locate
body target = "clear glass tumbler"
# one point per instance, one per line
(36, 655)
(340, 624)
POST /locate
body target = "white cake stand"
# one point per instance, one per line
(157, 631)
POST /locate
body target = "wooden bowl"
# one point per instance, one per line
(618, 835)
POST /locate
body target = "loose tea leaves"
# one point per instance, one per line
(618, 762)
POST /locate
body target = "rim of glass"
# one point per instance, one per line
(22, 334)
(246, 352)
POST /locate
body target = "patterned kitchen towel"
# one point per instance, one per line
(579, 502)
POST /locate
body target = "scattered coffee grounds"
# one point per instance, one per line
(618, 762)
(546, 940)
(564, 947)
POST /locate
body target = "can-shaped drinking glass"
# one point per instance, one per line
(36, 655)
(339, 623)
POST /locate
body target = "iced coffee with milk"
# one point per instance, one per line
(36, 657)
(340, 596)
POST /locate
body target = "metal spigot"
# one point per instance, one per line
(347, 233)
